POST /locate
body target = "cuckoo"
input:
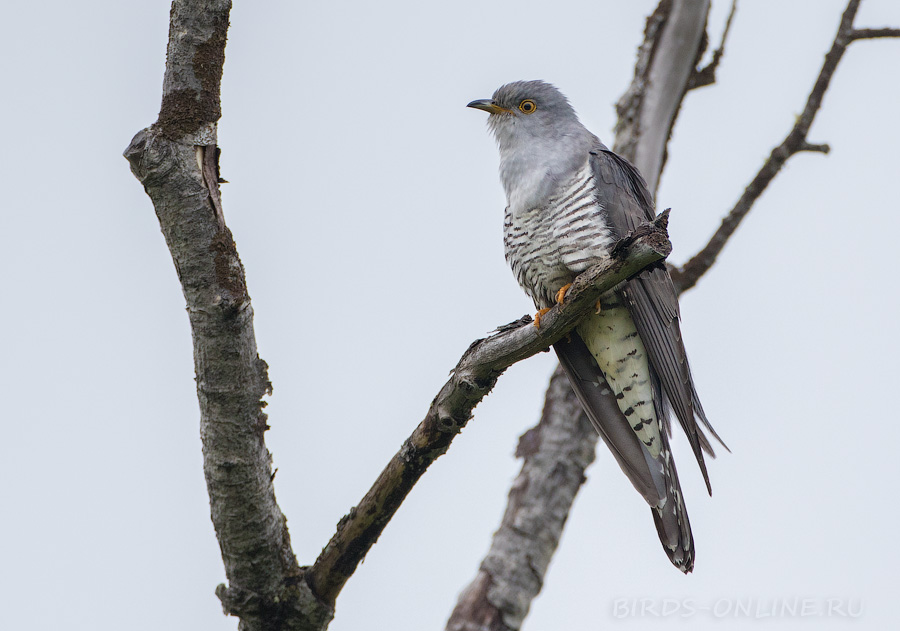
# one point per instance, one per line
(569, 199)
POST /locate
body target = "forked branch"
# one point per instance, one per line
(795, 142)
(707, 74)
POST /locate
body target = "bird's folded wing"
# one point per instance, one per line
(651, 299)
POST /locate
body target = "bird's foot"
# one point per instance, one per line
(598, 307)
(540, 314)
(561, 294)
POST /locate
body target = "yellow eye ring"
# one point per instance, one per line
(527, 106)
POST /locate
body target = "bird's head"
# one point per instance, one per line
(525, 111)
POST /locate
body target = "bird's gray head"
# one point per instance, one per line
(542, 142)
(524, 111)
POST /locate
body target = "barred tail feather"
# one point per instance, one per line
(671, 519)
(654, 478)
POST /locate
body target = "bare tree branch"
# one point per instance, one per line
(500, 596)
(555, 454)
(873, 33)
(472, 379)
(705, 76)
(666, 59)
(796, 141)
(177, 162)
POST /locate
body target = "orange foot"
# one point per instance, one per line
(561, 294)
(537, 317)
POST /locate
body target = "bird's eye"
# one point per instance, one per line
(527, 106)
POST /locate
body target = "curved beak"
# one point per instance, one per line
(488, 106)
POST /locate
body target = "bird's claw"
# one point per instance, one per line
(561, 294)
(540, 314)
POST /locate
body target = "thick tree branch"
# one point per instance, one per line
(555, 455)
(176, 161)
(472, 379)
(796, 141)
(666, 59)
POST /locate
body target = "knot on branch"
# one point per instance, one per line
(450, 425)
(151, 160)
(295, 609)
(525, 319)
(654, 234)
(466, 388)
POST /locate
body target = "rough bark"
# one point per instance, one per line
(555, 454)
(176, 161)
(508, 580)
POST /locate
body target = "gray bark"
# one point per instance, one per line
(176, 161)
(556, 452)
(666, 60)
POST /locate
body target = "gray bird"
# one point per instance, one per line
(569, 199)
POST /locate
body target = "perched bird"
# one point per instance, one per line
(569, 199)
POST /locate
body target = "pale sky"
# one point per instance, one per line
(366, 208)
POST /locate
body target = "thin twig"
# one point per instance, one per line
(873, 33)
(795, 142)
(472, 379)
(707, 75)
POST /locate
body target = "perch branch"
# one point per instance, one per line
(796, 141)
(471, 380)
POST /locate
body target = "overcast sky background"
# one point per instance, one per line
(366, 208)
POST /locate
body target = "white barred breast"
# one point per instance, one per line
(549, 245)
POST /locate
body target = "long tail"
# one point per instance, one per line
(654, 478)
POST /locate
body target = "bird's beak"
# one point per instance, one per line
(488, 106)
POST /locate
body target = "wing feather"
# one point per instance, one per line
(652, 301)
